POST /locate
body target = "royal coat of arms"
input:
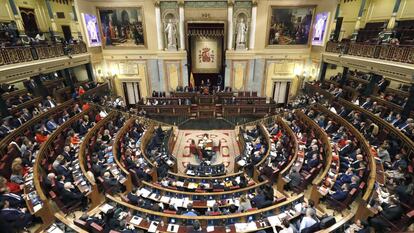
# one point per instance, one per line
(206, 55)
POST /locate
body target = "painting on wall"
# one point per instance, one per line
(122, 27)
(319, 28)
(92, 30)
(290, 25)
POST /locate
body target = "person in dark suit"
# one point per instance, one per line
(61, 169)
(340, 194)
(15, 201)
(259, 199)
(16, 218)
(391, 211)
(69, 194)
(344, 178)
(132, 197)
(51, 125)
(295, 179)
(345, 150)
(49, 102)
(311, 162)
(111, 182)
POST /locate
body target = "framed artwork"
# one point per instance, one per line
(92, 30)
(319, 28)
(289, 25)
(122, 27)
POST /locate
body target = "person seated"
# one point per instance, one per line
(15, 218)
(214, 210)
(311, 163)
(244, 204)
(357, 227)
(49, 102)
(69, 195)
(51, 125)
(40, 136)
(259, 199)
(15, 200)
(307, 221)
(190, 211)
(195, 228)
(343, 178)
(112, 183)
(17, 175)
(391, 211)
(286, 227)
(340, 194)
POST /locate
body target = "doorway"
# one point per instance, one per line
(206, 52)
(280, 91)
(132, 92)
(66, 32)
(29, 21)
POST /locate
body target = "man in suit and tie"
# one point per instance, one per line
(15, 201)
(16, 218)
(330, 128)
(391, 211)
(367, 104)
(345, 150)
(405, 124)
(51, 125)
(26, 114)
(397, 120)
(295, 178)
(5, 127)
(70, 195)
(341, 194)
(49, 102)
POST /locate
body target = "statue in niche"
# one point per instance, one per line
(241, 34)
(171, 31)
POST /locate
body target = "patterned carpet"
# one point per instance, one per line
(224, 143)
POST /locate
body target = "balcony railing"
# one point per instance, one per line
(397, 53)
(19, 54)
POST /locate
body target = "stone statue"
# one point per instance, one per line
(171, 31)
(241, 34)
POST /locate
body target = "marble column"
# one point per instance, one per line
(358, 22)
(230, 25)
(158, 23)
(333, 36)
(253, 26)
(76, 21)
(181, 25)
(409, 106)
(52, 20)
(17, 18)
(391, 22)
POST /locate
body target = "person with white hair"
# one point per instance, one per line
(69, 194)
(307, 221)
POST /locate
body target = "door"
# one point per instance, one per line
(132, 92)
(29, 21)
(281, 92)
(66, 32)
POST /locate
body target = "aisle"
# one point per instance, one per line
(224, 142)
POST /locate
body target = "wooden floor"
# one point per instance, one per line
(223, 140)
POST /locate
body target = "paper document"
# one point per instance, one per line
(135, 220)
(274, 221)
